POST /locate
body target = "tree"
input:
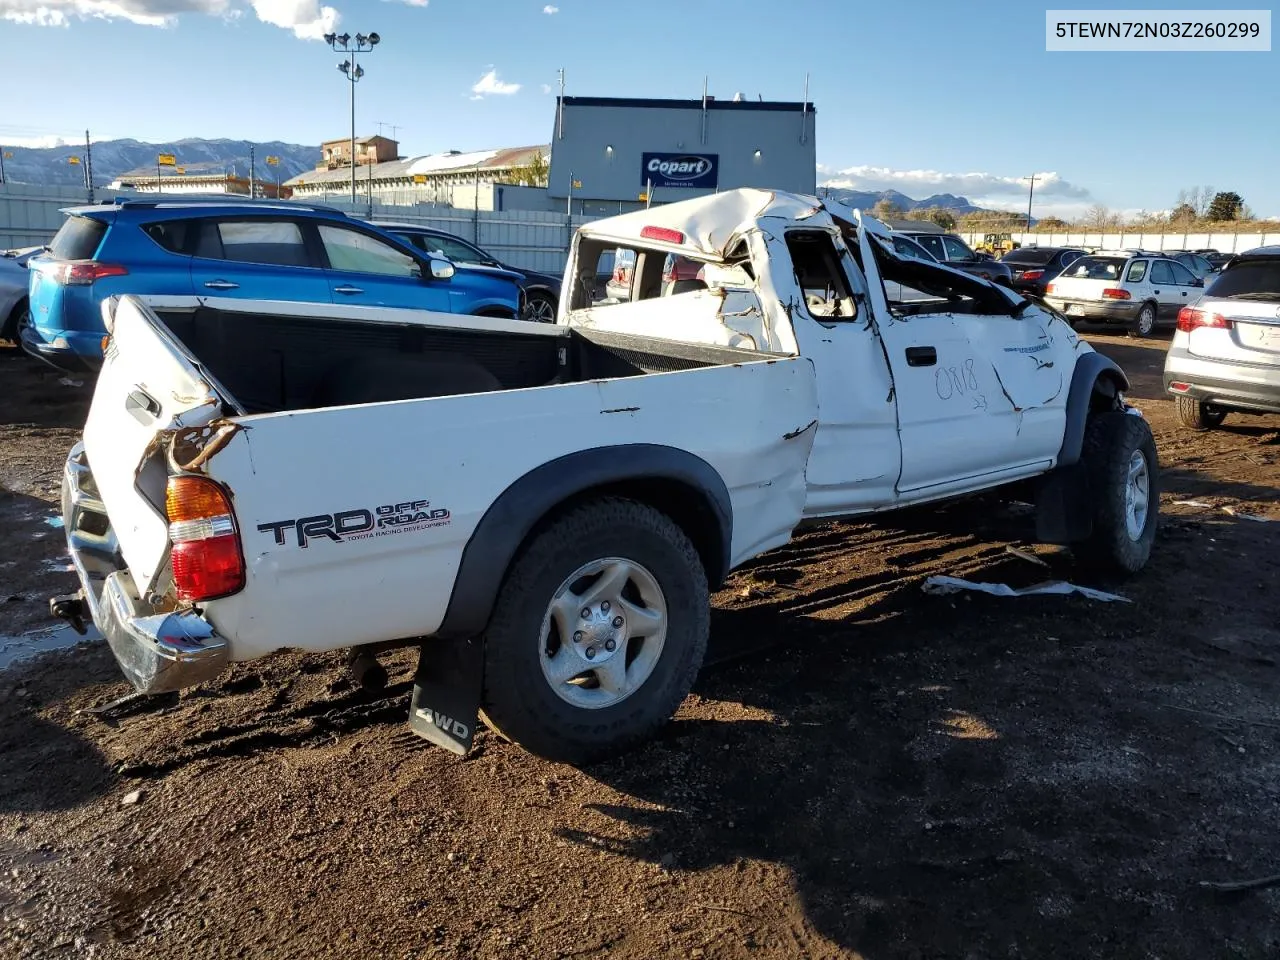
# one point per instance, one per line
(531, 174)
(1184, 213)
(1052, 223)
(1099, 217)
(886, 210)
(1225, 205)
(942, 217)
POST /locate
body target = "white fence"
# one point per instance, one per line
(1222, 242)
(29, 215)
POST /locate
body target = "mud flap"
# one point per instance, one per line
(1064, 506)
(446, 693)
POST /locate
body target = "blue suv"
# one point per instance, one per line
(228, 248)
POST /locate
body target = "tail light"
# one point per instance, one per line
(1048, 288)
(1033, 275)
(84, 272)
(1116, 293)
(1189, 318)
(206, 558)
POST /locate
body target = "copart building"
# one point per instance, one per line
(606, 155)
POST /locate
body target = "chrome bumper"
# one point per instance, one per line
(157, 651)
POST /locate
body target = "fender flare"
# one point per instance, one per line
(518, 509)
(1090, 368)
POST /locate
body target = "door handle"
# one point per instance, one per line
(347, 289)
(142, 406)
(221, 285)
(922, 356)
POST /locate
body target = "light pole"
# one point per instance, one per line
(353, 72)
(1030, 193)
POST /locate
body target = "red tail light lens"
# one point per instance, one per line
(1116, 293)
(84, 272)
(1033, 275)
(1049, 288)
(206, 557)
(1189, 318)
(665, 234)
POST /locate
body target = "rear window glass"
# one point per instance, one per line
(1137, 270)
(78, 239)
(1095, 268)
(1030, 255)
(1249, 280)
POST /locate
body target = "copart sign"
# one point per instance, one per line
(700, 170)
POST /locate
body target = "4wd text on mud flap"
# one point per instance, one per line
(447, 724)
(360, 524)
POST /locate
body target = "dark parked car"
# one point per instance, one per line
(542, 290)
(1199, 265)
(1034, 267)
(949, 249)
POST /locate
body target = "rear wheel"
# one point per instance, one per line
(598, 633)
(1144, 324)
(14, 322)
(1199, 415)
(1120, 460)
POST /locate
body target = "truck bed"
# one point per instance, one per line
(273, 361)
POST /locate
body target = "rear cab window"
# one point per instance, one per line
(78, 238)
(819, 273)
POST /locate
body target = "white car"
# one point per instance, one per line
(14, 281)
(1139, 289)
(543, 508)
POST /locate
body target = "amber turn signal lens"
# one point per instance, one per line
(194, 498)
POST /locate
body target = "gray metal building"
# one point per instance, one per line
(605, 152)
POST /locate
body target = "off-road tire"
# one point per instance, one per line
(1144, 327)
(519, 703)
(1199, 415)
(1109, 443)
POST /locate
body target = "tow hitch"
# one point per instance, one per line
(72, 608)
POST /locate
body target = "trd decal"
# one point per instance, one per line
(359, 524)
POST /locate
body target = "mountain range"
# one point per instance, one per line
(111, 158)
(866, 199)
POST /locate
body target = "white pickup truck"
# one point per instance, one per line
(544, 509)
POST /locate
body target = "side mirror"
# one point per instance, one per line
(441, 269)
(1198, 282)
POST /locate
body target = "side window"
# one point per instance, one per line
(934, 246)
(1070, 257)
(455, 250)
(1162, 272)
(172, 235)
(955, 249)
(820, 275)
(1137, 271)
(358, 252)
(274, 242)
(1181, 275)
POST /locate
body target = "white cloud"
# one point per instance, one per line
(549, 9)
(921, 183)
(411, 3)
(490, 85)
(306, 18)
(546, 88)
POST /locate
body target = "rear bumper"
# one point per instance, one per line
(158, 651)
(68, 350)
(1235, 385)
(1122, 312)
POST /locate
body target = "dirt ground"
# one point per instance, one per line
(863, 771)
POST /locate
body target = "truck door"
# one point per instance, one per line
(855, 460)
(954, 418)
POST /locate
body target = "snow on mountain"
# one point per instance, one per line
(111, 158)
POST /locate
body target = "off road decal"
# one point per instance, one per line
(386, 520)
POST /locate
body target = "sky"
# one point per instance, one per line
(923, 97)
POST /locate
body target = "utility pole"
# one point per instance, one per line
(252, 193)
(2, 156)
(1030, 193)
(560, 108)
(88, 165)
(353, 72)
